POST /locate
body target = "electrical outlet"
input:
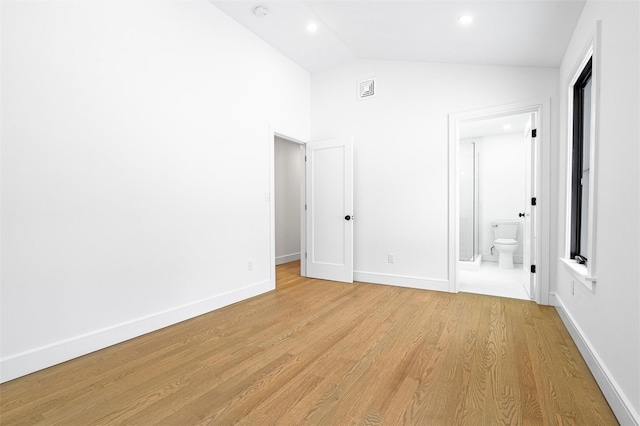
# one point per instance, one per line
(250, 264)
(391, 257)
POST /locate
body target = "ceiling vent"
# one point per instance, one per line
(367, 88)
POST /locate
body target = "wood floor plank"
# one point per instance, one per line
(318, 352)
(467, 348)
(531, 413)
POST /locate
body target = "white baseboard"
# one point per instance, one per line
(401, 281)
(617, 400)
(36, 359)
(286, 258)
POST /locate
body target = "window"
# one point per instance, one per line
(580, 165)
(583, 95)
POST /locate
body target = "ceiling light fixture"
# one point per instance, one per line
(260, 11)
(465, 19)
(312, 27)
(506, 126)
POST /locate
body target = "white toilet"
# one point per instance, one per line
(505, 242)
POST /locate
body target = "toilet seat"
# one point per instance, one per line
(506, 241)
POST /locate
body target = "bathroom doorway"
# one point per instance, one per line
(494, 178)
(491, 180)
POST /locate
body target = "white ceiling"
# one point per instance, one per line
(495, 126)
(504, 32)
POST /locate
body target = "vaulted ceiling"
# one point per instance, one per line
(503, 32)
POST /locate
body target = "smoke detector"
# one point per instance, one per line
(260, 11)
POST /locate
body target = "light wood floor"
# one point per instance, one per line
(325, 353)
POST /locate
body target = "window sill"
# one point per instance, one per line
(579, 272)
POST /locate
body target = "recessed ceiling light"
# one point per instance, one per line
(465, 19)
(506, 126)
(260, 11)
(312, 27)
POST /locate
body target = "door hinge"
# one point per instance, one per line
(533, 269)
(305, 207)
(533, 201)
(305, 255)
(305, 158)
(534, 133)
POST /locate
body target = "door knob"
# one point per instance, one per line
(520, 214)
(347, 217)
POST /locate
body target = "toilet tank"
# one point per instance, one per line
(503, 229)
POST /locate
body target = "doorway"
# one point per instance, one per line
(495, 174)
(325, 206)
(288, 235)
(288, 175)
(492, 178)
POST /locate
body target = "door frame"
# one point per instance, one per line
(542, 217)
(270, 196)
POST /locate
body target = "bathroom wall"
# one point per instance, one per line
(502, 178)
(287, 200)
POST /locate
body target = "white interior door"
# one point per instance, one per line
(329, 178)
(529, 234)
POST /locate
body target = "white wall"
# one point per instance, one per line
(287, 194)
(606, 323)
(135, 169)
(502, 177)
(401, 157)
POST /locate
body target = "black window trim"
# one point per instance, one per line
(577, 247)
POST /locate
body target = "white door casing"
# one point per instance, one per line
(329, 179)
(529, 232)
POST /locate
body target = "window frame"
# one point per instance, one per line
(577, 246)
(584, 273)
